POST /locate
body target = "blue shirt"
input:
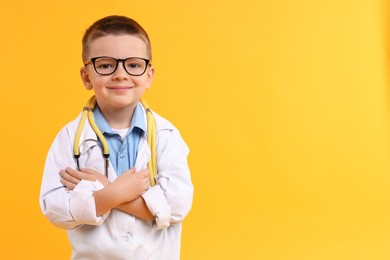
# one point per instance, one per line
(122, 153)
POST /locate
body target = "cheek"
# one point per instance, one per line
(138, 84)
(142, 81)
(140, 89)
(98, 82)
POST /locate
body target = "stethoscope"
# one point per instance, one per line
(151, 137)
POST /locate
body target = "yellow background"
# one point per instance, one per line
(284, 104)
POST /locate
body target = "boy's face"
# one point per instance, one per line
(118, 90)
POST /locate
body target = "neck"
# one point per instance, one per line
(118, 118)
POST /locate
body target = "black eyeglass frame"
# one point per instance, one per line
(123, 61)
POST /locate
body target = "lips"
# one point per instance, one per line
(120, 87)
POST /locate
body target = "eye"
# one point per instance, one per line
(134, 65)
(105, 63)
(104, 66)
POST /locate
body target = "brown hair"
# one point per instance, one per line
(114, 25)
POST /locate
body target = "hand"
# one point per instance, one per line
(71, 177)
(130, 184)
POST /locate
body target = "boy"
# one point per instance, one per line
(120, 216)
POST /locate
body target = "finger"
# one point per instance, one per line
(93, 175)
(145, 179)
(147, 184)
(90, 171)
(144, 173)
(73, 172)
(68, 184)
(66, 176)
(78, 174)
(131, 171)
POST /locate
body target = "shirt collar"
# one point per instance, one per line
(137, 120)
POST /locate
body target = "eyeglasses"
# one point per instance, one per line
(134, 66)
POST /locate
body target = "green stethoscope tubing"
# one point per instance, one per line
(151, 137)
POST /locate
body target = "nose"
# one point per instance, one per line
(120, 72)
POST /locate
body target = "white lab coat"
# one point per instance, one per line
(118, 235)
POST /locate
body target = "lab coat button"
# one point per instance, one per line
(122, 155)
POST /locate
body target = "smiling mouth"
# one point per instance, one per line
(121, 87)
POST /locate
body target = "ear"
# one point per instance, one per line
(150, 76)
(85, 78)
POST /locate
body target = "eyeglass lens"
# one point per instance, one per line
(107, 65)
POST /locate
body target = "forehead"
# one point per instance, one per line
(118, 46)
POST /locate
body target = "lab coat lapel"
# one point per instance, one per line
(143, 155)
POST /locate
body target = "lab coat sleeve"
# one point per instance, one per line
(64, 208)
(170, 200)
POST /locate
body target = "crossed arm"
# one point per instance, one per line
(124, 193)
